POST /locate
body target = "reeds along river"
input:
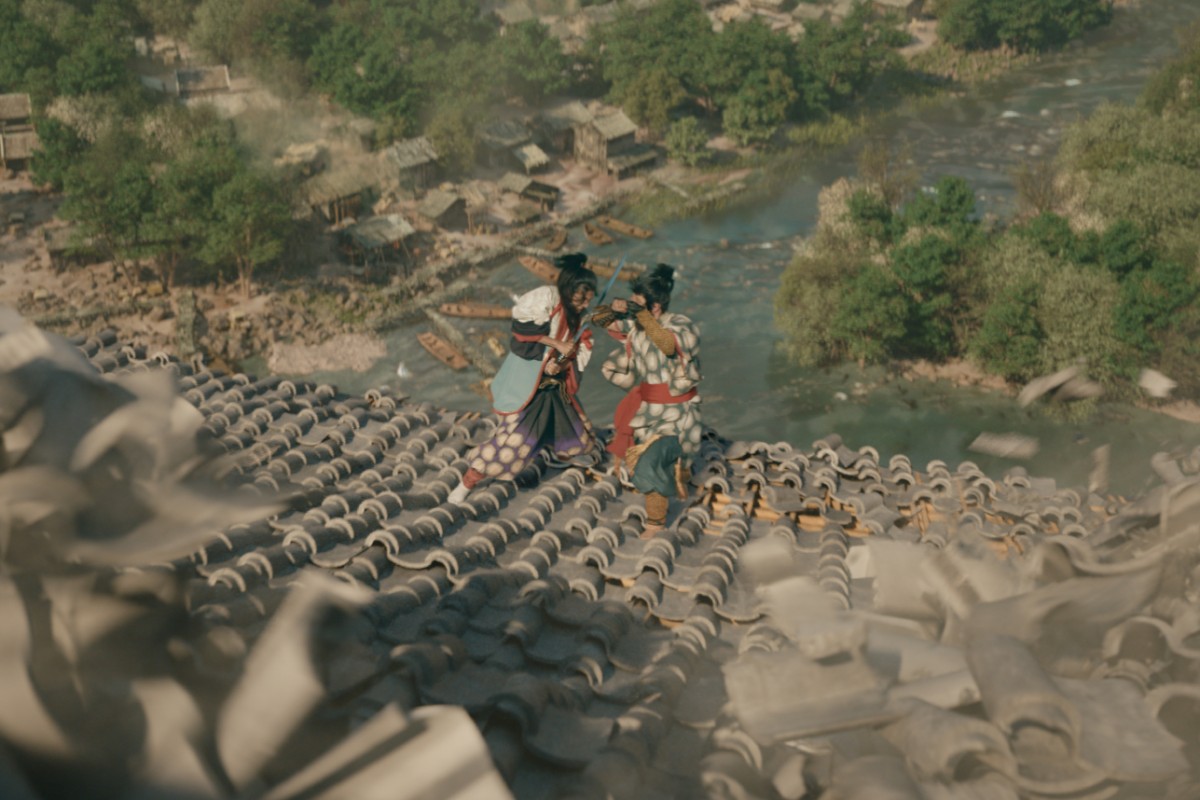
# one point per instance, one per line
(731, 262)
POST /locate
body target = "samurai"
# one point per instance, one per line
(535, 391)
(657, 426)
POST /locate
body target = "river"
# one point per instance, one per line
(730, 264)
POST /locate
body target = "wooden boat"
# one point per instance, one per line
(625, 228)
(557, 240)
(605, 270)
(540, 267)
(442, 350)
(596, 235)
(474, 310)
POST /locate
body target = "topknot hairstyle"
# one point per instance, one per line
(656, 285)
(571, 259)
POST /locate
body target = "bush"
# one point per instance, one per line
(873, 217)
(1009, 341)
(687, 142)
(868, 322)
(1076, 310)
(809, 292)
(1026, 25)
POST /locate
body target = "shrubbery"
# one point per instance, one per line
(1110, 278)
(1024, 25)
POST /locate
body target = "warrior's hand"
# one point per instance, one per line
(565, 349)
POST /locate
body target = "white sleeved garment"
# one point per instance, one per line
(535, 306)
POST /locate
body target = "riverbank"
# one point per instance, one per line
(312, 323)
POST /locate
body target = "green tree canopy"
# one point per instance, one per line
(687, 142)
(530, 63)
(837, 63)
(251, 222)
(1026, 25)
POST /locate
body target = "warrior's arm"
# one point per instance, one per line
(604, 316)
(662, 338)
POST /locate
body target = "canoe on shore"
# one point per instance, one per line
(557, 240)
(443, 351)
(474, 310)
(605, 270)
(596, 235)
(625, 228)
(540, 267)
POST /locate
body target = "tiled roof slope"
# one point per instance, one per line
(814, 622)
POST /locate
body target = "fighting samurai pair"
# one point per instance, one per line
(657, 425)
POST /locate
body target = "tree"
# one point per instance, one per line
(170, 17)
(110, 194)
(363, 74)
(650, 97)
(687, 142)
(1009, 341)
(810, 292)
(216, 29)
(888, 170)
(27, 47)
(755, 113)
(742, 56)
(59, 149)
(673, 36)
(1076, 310)
(251, 222)
(950, 205)
(873, 217)
(869, 318)
(1037, 187)
(96, 66)
(440, 22)
(531, 61)
(837, 63)
(1027, 25)
(452, 134)
(1151, 301)
(1172, 90)
(184, 192)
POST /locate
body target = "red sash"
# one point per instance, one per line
(628, 407)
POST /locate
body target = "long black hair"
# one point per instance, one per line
(655, 286)
(573, 275)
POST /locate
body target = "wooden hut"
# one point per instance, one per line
(531, 157)
(631, 159)
(17, 148)
(500, 139)
(557, 126)
(342, 191)
(380, 240)
(15, 111)
(414, 161)
(543, 194)
(444, 209)
(201, 81)
(603, 136)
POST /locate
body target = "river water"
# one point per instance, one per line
(730, 263)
